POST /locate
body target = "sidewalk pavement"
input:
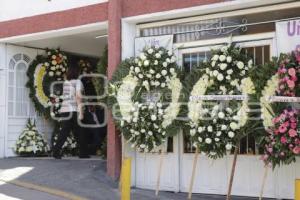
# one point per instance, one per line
(84, 178)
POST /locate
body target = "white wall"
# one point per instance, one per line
(2, 99)
(13, 9)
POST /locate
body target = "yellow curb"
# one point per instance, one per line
(48, 190)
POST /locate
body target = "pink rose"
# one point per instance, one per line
(293, 125)
(291, 83)
(282, 129)
(296, 150)
(292, 133)
(292, 72)
(283, 140)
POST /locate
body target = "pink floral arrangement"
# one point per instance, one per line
(288, 72)
(283, 140)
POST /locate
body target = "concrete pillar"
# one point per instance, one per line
(114, 58)
(3, 87)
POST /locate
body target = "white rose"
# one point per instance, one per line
(143, 130)
(219, 133)
(209, 129)
(221, 115)
(230, 134)
(208, 141)
(150, 51)
(215, 73)
(240, 65)
(141, 76)
(131, 68)
(54, 62)
(215, 57)
(217, 139)
(230, 71)
(135, 120)
(163, 85)
(157, 55)
(52, 68)
(173, 59)
(164, 72)
(51, 74)
(243, 72)
(140, 64)
(228, 77)
(146, 63)
(233, 125)
(58, 73)
(137, 69)
(47, 64)
(222, 58)
(137, 133)
(157, 83)
(142, 56)
(152, 71)
(220, 77)
(192, 132)
(229, 110)
(200, 129)
(229, 59)
(54, 57)
(223, 127)
(158, 76)
(223, 66)
(153, 117)
(168, 60)
(165, 64)
(63, 69)
(170, 53)
(200, 139)
(150, 133)
(57, 67)
(213, 63)
(228, 147)
(155, 62)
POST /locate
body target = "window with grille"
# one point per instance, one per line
(260, 55)
(18, 100)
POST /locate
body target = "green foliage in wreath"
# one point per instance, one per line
(30, 142)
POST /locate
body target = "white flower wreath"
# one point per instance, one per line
(226, 74)
(146, 113)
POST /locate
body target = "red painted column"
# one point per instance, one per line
(114, 58)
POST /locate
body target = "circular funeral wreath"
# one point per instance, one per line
(43, 71)
(215, 125)
(281, 142)
(146, 91)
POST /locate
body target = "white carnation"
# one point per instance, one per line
(157, 55)
(223, 66)
(230, 71)
(192, 132)
(215, 57)
(222, 58)
(142, 56)
(150, 51)
(221, 115)
(233, 126)
(219, 133)
(215, 73)
(208, 140)
(158, 76)
(230, 134)
(220, 77)
(137, 69)
(155, 62)
(200, 139)
(209, 129)
(164, 72)
(165, 64)
(153, 117)
(152, 71)
(229, 59)
(240, 65)
(172, 70)
(223, 127)
(146, 63)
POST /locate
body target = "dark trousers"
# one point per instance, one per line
(68, 125)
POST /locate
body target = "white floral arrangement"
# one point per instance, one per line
(30, 142)
(215, 126)
(56, 64)
(146, 112)
(70, 147)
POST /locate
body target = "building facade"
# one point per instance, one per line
(85, 27)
